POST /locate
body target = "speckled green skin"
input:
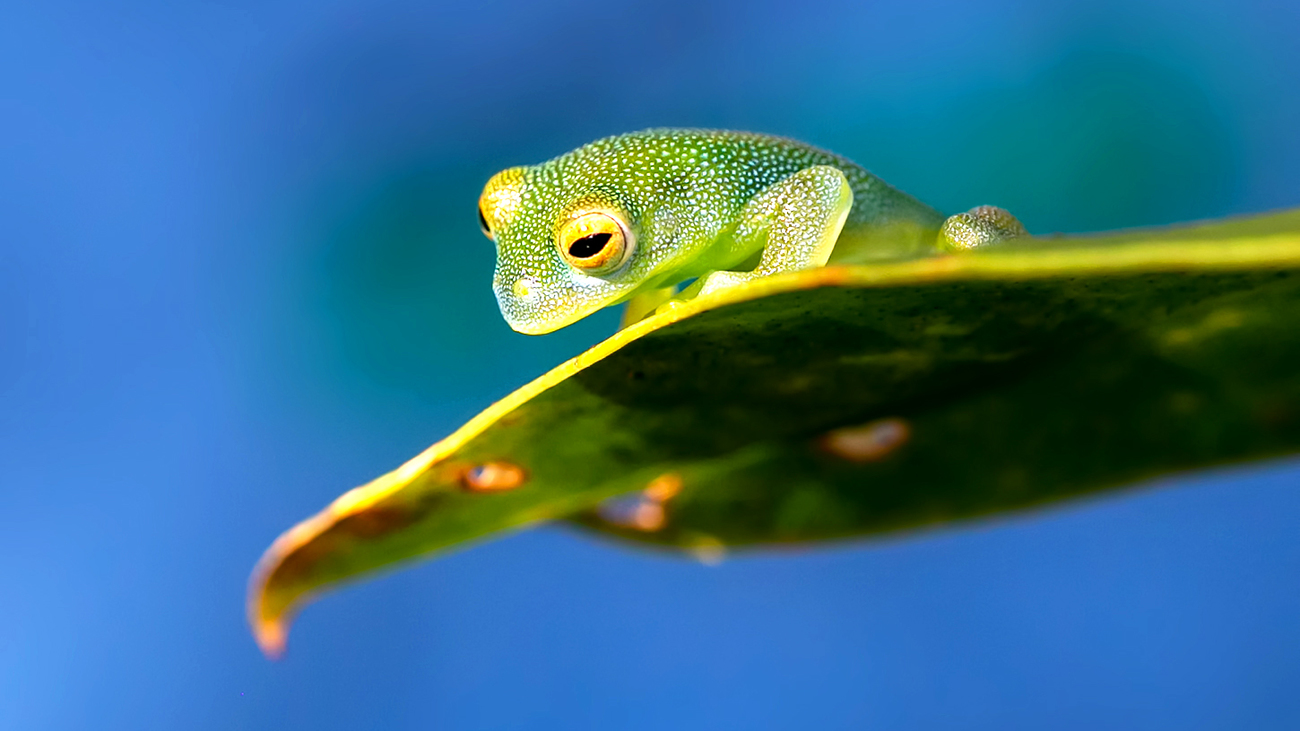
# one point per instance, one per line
(721, 206)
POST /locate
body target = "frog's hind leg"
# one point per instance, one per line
(795, 222)
(979, 227)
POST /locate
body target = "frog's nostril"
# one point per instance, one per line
(524, 288)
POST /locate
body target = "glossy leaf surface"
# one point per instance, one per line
(854, 400)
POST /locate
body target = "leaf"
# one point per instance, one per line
(852, 400)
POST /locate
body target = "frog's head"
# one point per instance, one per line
(562, 254)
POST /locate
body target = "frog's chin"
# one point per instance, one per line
(532, 328)
(533, 317)
(542, 326)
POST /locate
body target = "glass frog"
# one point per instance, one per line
(629, 218)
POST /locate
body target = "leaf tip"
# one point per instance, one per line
(272, 636)
(270, 627)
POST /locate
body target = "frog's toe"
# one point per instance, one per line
(669, 306)
(715, 281)
(979, 227)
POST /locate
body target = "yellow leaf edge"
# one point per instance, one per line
(1279, 250)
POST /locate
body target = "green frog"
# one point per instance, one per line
(631, 218)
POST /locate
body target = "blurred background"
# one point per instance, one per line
(240, 272)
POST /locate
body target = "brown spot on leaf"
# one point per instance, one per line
(635, 512)
(647, 516)
(869, 442)
(664, 487)
(644, 510)
(493, 477)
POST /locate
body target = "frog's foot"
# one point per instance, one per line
(794, 223)
(979, 227)
(715, 281)
(645, 304)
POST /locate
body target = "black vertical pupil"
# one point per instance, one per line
(589, 245)
(482, 222)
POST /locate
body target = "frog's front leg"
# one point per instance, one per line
(795, 221)
(644, 304)
(979, 227)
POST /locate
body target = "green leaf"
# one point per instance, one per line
(852, 400)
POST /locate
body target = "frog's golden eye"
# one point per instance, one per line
(483, 224)
(595, 242)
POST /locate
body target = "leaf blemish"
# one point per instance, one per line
(664, 487)
(493, 477)
(634, 511)
(870, 442)
(644, 510)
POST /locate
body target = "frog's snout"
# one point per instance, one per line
(518, 300)
(534, 303)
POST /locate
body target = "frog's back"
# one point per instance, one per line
(884, 222)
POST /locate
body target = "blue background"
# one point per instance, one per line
(240, 273)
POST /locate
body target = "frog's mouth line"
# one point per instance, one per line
(525, 308)
(533, 309)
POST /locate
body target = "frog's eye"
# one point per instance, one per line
(596, 243)
(500, 201)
